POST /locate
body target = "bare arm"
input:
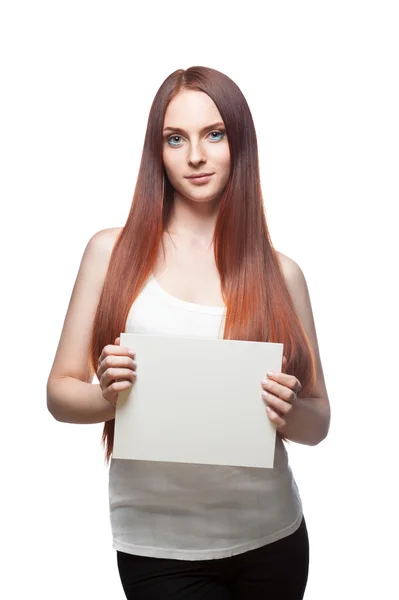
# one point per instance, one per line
(73, 401)
(310, 423)
(71, 397)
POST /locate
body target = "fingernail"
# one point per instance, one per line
(270, 373)
(131, 352)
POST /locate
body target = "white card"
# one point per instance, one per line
(197, 400)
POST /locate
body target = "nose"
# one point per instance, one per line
(196, 154)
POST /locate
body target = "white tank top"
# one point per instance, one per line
(190, 511)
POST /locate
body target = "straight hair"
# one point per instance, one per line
(259, 307)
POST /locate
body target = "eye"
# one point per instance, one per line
(218, 133)
(173, 137)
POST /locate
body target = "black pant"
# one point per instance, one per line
(277, 571)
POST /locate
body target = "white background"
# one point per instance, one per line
(321, 80)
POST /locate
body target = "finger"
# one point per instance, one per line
(122, 370)
(111, 349)
(275, 418)
(279, 390)
(289, 381)
(117, 341)
(116, 360)
(122, 361)
(277, 403)
(119, 386)
(116, 375)
(117, 372)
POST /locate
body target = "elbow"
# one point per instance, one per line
(322, 436)
(51, 403)
(52, 409)
(317, 441)
(324, 426)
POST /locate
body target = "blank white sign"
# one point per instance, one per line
(197, 400)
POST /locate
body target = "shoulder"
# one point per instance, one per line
(297, 286)
(105, 238)
(299, 292)
(292, 272)
(98, 252)
(102, 242)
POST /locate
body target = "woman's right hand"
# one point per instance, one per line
(116, 370)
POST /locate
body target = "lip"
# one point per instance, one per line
(195, 176)
(200, 180)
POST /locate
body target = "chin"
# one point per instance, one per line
(202, 197)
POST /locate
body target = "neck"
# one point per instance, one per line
(193, 220)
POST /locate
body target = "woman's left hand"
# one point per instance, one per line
(281, 394)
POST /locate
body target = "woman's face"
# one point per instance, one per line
(195, 142)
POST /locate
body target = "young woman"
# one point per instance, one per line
(195, 258)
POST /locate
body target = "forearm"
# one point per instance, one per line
(308, 423)
(70, 400)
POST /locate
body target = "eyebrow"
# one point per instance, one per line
(179, 130)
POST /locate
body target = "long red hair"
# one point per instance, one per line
(259, 306)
